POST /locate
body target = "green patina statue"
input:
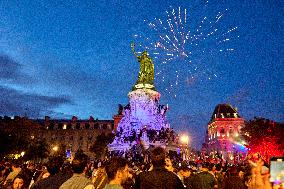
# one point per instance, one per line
(146, 72)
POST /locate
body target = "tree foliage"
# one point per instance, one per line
(36, 150)
(15, 137)
(100, 145)
(265, 137)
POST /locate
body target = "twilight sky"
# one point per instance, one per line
(64, 58)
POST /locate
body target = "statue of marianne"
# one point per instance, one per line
(146, 72)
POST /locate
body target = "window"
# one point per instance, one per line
(104, 126)
(96, 126)
(222, 131)
(60, 126)
(109, 126)
(231, 131)
(78, 126)
(87, 125)
(51, 126)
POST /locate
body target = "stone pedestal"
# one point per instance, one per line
(144, 113)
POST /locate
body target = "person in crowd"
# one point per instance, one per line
(27, 173)
(212, 169)
(169, 164)
(18, 183)
(41, 173)
(79, 179)
(159, 177)
(220, 178)
(189, 182)
(258, 180)
(183, 173)
(117, 172)
(56, 177)
(234, 181)
(99, 178)
(2, 173)
(16, 169)
(204, 179)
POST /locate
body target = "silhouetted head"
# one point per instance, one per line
(158, 156)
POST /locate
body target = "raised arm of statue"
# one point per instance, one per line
(133, 50)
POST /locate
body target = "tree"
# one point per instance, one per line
(16, 137)
(264, 136)
(12, 143)
(100, 145)
(37, 150)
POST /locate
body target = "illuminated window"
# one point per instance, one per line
(64, 126)
(231, 131)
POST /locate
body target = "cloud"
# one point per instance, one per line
(8, 67)
(11, 71)
(14, 102)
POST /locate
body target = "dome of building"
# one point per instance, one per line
(224, 111)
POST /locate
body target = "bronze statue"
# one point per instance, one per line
(146, 72)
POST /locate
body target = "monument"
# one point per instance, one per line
(143, 119)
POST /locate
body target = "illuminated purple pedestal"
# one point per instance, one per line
(141, 117)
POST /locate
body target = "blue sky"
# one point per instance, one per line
(64, 58)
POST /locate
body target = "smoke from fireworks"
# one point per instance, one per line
(182, 47)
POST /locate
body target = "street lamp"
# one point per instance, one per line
(22, 154)
(184, 139)
(55, 148)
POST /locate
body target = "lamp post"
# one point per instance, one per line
(55, 148)
(22, 153)
(184, 139)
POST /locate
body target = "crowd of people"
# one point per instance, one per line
(160, 172)
(163, 136)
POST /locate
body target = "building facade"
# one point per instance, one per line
(67, 135)
(75, 134)
(224, 131)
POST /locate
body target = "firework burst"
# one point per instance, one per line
(182, 46)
